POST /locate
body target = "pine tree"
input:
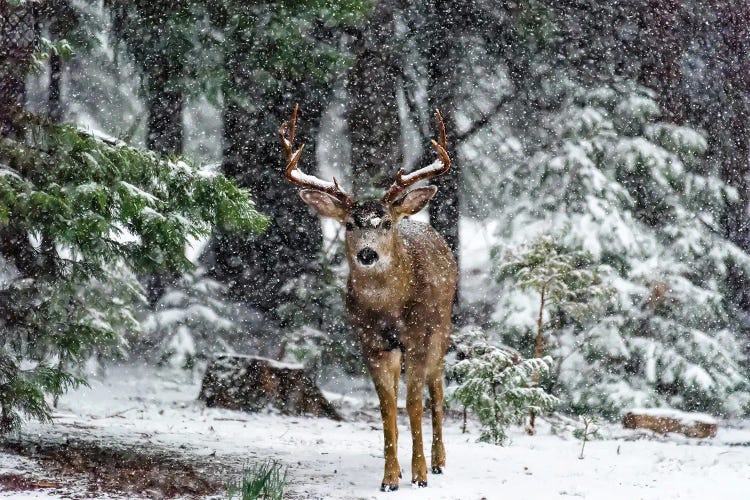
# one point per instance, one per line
(607, 176)
(85, 214)
(563, 279)
(496, 383)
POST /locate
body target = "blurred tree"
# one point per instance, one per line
(431, 72)
(274, 54)
(695, 55)
(19, 34)
(374, 81)
(159, 35)
(445, 24)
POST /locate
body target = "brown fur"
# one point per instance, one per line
(412, 302)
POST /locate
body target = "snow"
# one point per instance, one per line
(685, 417)
(137, 192)
(9, 172)
(139, 406)
(271, 362)
(99, 134)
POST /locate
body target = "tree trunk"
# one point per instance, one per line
(257, 267)
(19, 33)
(251, 383)
(539, 342)
(165, 103)
(164, 133)
(54, 93)
(538, 348)
(692, 425)
(441, 56)
(373, 115)
(55, 114)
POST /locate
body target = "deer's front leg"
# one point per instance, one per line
(385, 367)
(415, 377)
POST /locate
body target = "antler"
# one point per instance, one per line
(435, 169)
(298, 177)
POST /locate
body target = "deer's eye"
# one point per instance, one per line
(387, 225)
(349, 226)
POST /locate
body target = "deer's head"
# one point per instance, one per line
(371, 236)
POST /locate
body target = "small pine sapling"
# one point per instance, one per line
(563, 279)
(589, 431)
(191, 322)
(496, 384)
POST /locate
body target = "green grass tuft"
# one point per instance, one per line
(261, 481)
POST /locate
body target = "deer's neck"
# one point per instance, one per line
(387, 289)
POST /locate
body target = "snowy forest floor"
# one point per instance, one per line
(138, 426)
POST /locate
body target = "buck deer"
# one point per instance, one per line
(402, 279)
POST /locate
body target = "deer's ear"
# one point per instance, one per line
(413, 201)
(324, 204)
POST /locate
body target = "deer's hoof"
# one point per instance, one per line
(420, 484)
(388, 487)
(436, 469)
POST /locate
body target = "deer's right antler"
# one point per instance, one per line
(435, 169)
(298, 177)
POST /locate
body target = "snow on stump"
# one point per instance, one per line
(693, 425)
(251, 383)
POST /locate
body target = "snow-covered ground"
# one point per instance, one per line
(133, 405)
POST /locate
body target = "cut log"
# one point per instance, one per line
(252, 383)
(693, 425)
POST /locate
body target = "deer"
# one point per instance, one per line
(399, 297)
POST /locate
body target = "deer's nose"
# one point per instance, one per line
(367, 256)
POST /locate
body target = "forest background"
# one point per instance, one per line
(134, 134)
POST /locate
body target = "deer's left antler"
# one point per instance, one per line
(435, 169)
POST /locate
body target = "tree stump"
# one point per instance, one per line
(693, 425)
(252, 383)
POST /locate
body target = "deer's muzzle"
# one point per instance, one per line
(367, 256)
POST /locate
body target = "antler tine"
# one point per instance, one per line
(287, 141)
(295, 175)
(441, 128)
(435, 169)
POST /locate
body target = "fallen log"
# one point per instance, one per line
(252, 383)
(693, 425)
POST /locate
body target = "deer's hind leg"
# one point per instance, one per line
(438, 346)
(385, 369)
(435, 387)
